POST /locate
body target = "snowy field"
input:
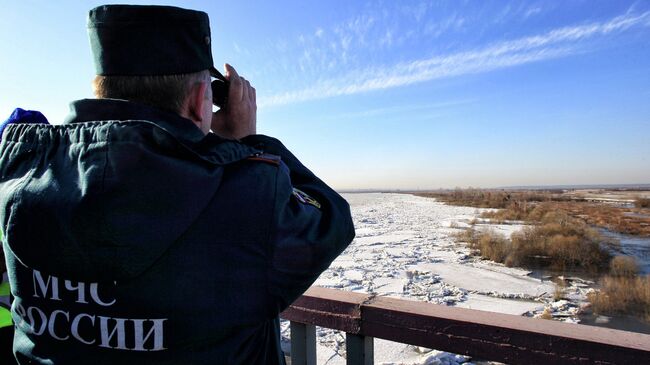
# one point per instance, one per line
(404, 249)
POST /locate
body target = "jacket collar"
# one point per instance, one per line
(92, 110)
(210, 147)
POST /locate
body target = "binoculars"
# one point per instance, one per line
(219, 88)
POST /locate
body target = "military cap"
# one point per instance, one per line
(140, 40)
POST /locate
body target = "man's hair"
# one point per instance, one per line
(166, 92)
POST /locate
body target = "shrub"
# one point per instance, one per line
(561, 242)
(499, 199)
(492, 246)
(642, 203)
(467, 235)
(623, 266)
(560, 288)
(622, 295)
(547, 314)
(531, 206)
(487, 244)
(514, 211)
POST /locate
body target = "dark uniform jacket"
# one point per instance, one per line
(132, 238)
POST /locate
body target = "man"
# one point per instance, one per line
(133, 235)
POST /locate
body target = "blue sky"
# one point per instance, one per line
(401, 94)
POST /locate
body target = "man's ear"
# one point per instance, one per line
(196, 101)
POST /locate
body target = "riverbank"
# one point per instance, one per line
(561, 234)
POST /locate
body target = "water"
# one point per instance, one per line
(635, 246)
(636, 215)
(639, 248)
(624, 323)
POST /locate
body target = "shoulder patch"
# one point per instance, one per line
(304, 198)
(266, 157)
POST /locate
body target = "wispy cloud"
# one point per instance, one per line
(437, 28)
(416, 11)
(239, 49)
(556, 43)
(533, 10)
(401, 109)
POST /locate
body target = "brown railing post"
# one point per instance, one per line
(359, 349)
(303, 344)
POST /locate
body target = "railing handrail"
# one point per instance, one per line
(480, 334)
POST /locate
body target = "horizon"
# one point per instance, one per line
(395, 96)
(616, 187)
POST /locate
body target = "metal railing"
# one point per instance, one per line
(479, 334)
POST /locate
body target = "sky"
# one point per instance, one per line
(400, 94)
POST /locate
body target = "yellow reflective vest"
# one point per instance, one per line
(5, 313)
(5, 304)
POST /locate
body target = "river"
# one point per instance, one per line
(404, 248)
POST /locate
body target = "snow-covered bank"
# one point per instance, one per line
(404, 249)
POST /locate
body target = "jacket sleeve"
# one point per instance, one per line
(311, 226)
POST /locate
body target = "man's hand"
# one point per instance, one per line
(238, 118)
